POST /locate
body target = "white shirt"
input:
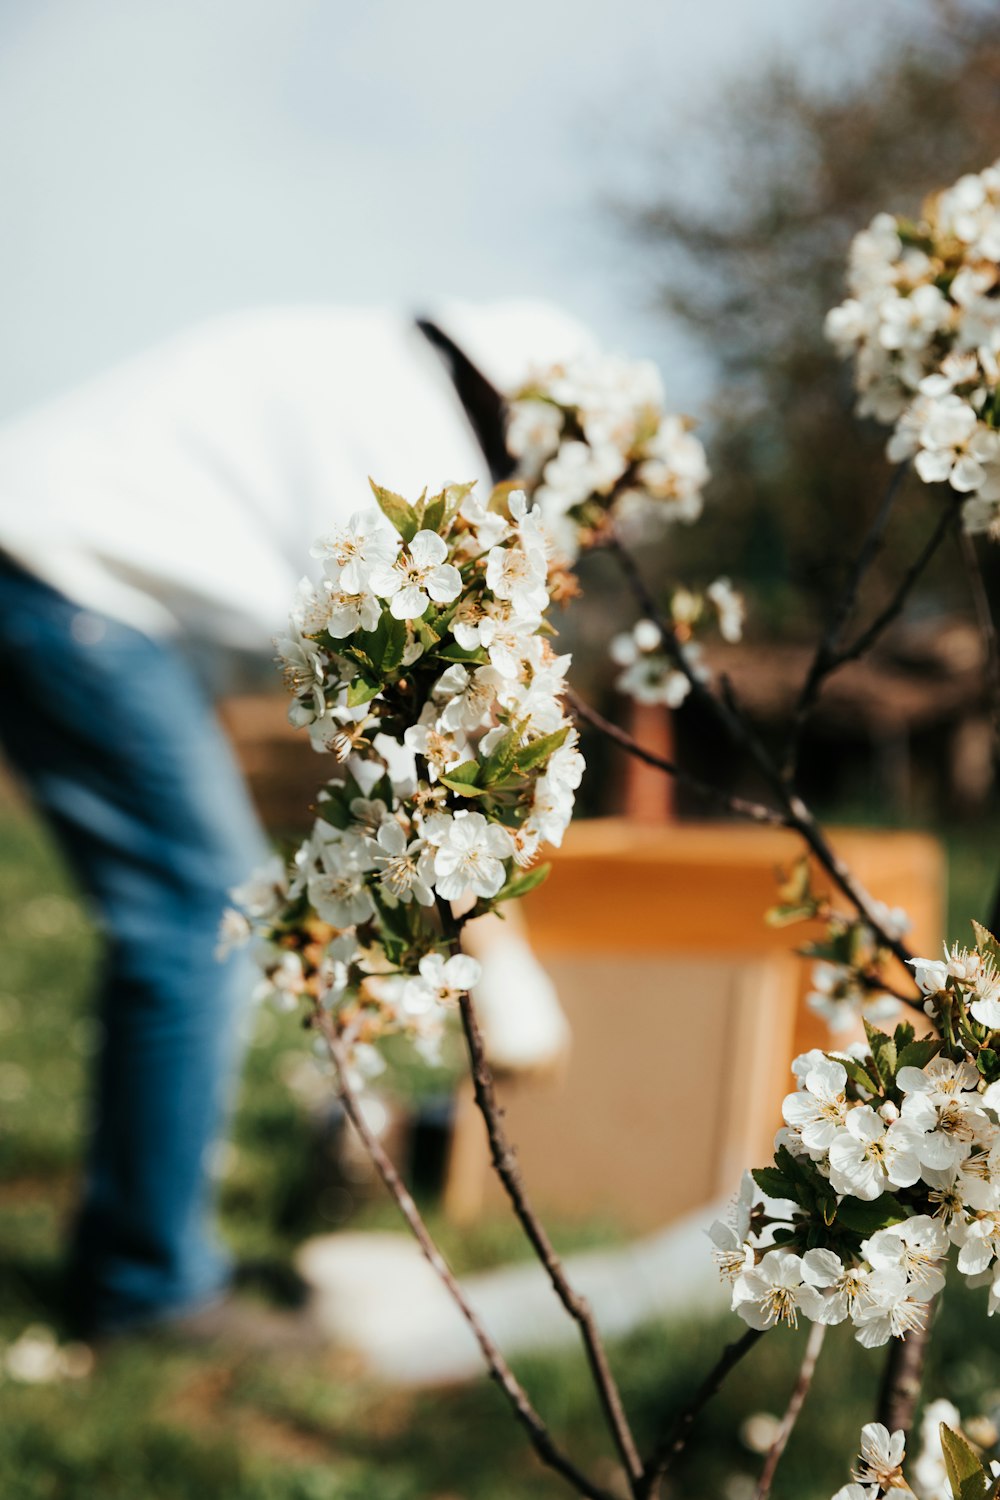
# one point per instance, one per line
(180, 491)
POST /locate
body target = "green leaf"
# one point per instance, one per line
(397, 510)
(856, 1073)
(520, 885)
(426, 634)
(395, 917)
(454, 652)
(967, 1475)
(540, 749)
(462, 779)
(434, 512)
(395, 641)
(467, 772)
(812, 1190)
(918, 1054)
(382, 647)
(988, 1063)
(785, 916)
(500, 759)
(903, 1035)
(333, 810)
(382, 790)
(499, 500)
(883, 1054)
(774, 1183)
(985, 941)
(361, 691)
(866, 1218)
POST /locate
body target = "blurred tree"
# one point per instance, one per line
(751, 267)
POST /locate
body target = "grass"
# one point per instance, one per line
(151, 1423)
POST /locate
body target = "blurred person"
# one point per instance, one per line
(170, 505)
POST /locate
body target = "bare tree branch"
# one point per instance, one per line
(868, 637)
(505, 1163)
(902, 1379)
(734, 720)
(499, 1369)
(756, 812)
(671, 1446)
(795, 1404)
(826, 659)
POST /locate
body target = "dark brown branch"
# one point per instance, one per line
(826, 659)
(667, 1451)
(506, 1166)
(757, 812)
(733, 719)
(499, 1369)
(902, 1379)
(795, 1404)
(893, 609)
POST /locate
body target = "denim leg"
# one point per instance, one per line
(123, 756)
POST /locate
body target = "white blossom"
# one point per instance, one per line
(420, 575)
(881, 1455)
(818, 1110)
(351, 552)
(776, 1291)
(471, 856)
(404, 868)
(866, 1155)
(730, 608)
(914, 1247)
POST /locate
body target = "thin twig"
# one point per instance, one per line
(734, 720)
(869, 636)
(757, 812)
(499, 1369)
(669, 1449)
(795, 1404)
(506, 1166)
(902, 1378)
(826, 659)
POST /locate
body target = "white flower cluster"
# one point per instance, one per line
(648, 674)
(969, 974)
(422, 661)
(888, 1162)
(923, 325)
(942, 1446)
(591, 437)
(845, 980)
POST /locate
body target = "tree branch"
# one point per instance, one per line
(756, 812)
(506, 1166)
(902, 1379)
(868, 637)
(499, 1369)
(734, 720)
(795, 1404)
(827, 652)
(665, 1453)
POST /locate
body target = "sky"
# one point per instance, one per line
(163, 162)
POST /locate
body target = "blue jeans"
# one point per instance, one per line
(119, 749)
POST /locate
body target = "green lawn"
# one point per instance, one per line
(149, 1424)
